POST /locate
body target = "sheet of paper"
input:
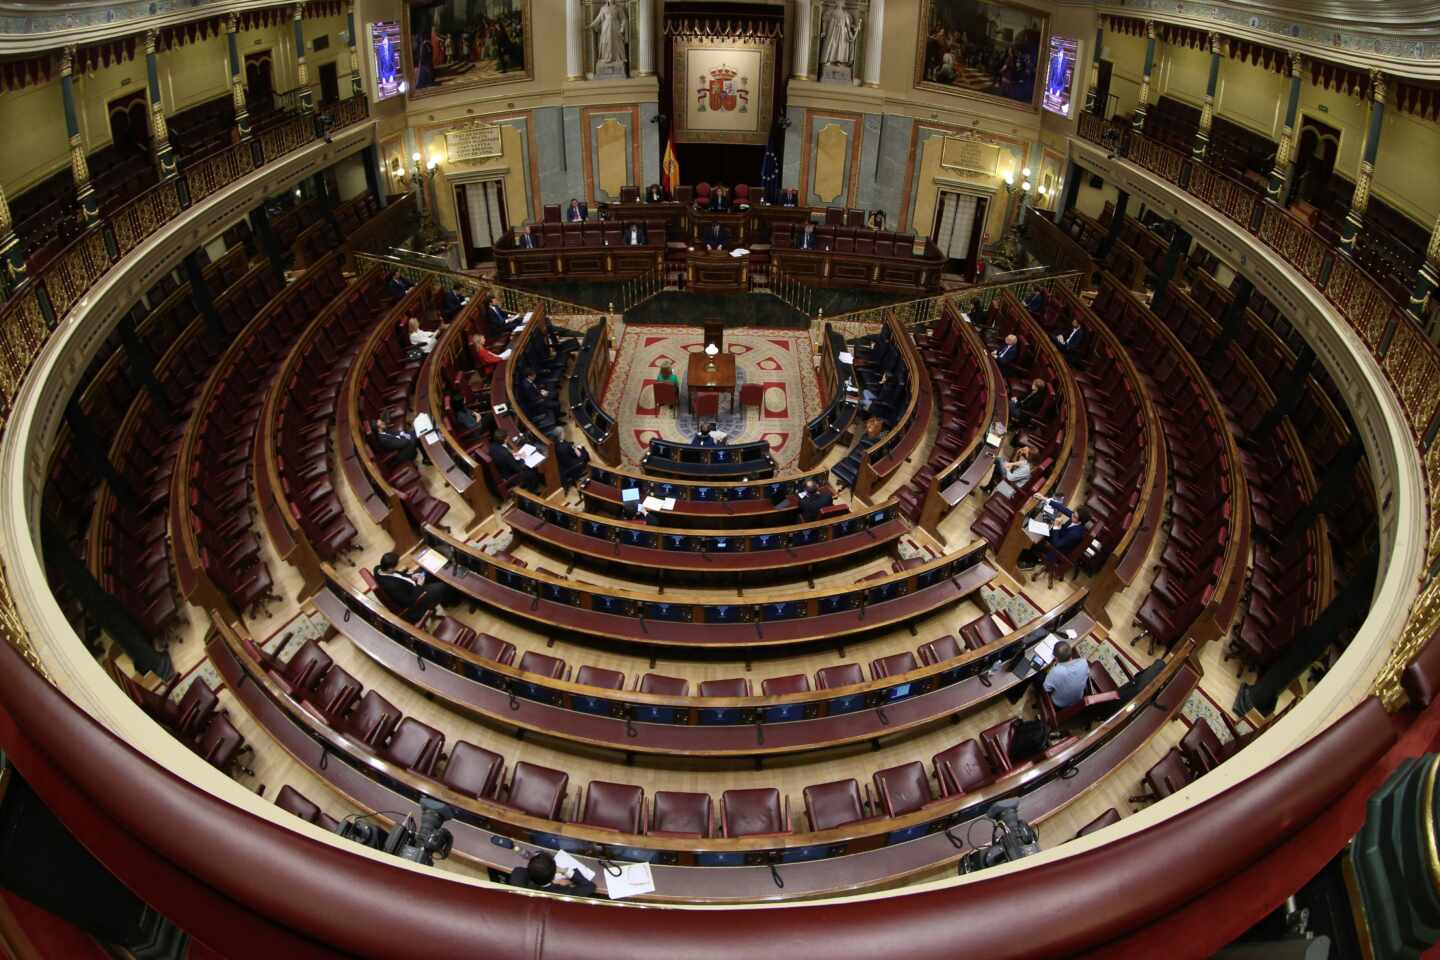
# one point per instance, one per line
(669, 503)
(528, 450)
(504, 354)
(739, 252)
(1038, 527)
(718, 435)
(634, 879)
(568, 863)
(656, 503)
(1045, 650)
(431, 560)
(423, 423)
(845, 356)
(535, 459)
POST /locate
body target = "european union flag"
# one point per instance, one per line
(770, 171)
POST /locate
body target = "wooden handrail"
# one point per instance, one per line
(516, 417)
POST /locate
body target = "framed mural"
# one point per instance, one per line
(451, 44)
(989, 48)
(722, 86)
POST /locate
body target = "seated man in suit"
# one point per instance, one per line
(654, 194)
(536, 399)
(1036, 301)
(1067, 677)
(450, 302)
(398, 286)
(720, 198)
(414, 594)
(1068, 530)
(1070, 343)
(541, 874)
(1008, 353)
(813, 498)
(573, 461)
(504, 452)
(524, 240)
(576, 212)
(634, 235)
(396, 440)
(806, 240)
(703, 436)
(716, 237)
(1028, 405)
(498, 323)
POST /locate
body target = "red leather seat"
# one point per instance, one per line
(219, 742)
(834, 804)
(962, 769)
(493, 648)
(682, 815)
(293, 801)
(670, 686)
(452, 631)
(193, 712)
(1165, 778)
(843, 675)
(1105, 819)
(334, 694)
(938, 651)
(996, 741)
(473, 771)
(538, 791)
(305, 669)
(737, 687)
(903, 789)
(599, 677)
(980, 631)
(371, 721)
(793, 683)
(543, 664)
(754, 812)
(414, 746)
(614, 806)
(1202, 748)
(893, 665)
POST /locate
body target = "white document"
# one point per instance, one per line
(1038, 527)
(431, 560)
(845, 357)
(634, 879)
(668, 503)
(527, 451)
(568, 863)
(1044, 651)
(500, 409)
(423, 424)
(718, 435)
(504, 354)
(653, 503)
(526, 319)
(1005, 489)
(739, 252)
(994, 439)
(535, 459)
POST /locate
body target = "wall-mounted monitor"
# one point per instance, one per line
(385, 48)
(1060, 75)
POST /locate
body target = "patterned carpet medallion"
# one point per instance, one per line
(782, 360)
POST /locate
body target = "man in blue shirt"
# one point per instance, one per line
(1067, 678)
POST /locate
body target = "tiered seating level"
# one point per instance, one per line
(702, 503)
(909, 428)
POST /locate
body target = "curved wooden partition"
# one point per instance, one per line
(826, 427)
(451, 456)
(702, 503)
(897, 444)
(586, 386)
(510, 416)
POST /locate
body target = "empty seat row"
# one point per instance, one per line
(195, 719)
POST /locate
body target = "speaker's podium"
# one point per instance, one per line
(716, 271)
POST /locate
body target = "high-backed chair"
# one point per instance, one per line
(705, 404)
(940, 650)
(702, 195)
(600, 677)
(892, 665)
(493, 648)
(736, 687)
(834, 804)
(630, 194)
(452, 631)
(752, 395)
(962, 769)
(372, 720)
(221, 744)
(841, 675)
(293, 801)
(613, 806)
(543, 664)
(776, 686)
(538, 791)
(473, 771)
(670, 686)
(552, 213)
(414, 746)
(682, 815)
(1099, 689)
(1108, 818)
(334, 694)
(666, 394)
(305, 669)
(1203, 749)
(996, 741)
(1166, 777)
(903, 789)
(755, 812)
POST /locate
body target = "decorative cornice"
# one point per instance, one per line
(30, 27)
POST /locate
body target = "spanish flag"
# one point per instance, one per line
(670, 168)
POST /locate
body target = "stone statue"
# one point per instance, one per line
(610, 44)
(838, 32)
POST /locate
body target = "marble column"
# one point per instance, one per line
(237, 77)
(159, 135)
(1360, 201)
(644, 65)
(1207, 112)
(874, 43)
(574, 37)
(357, 89)
(800, 51)
(1285, 150)
(12, 252)
(1092, 92)
(84, 192)
(302, 74)
(1426, 280)
(1142, 106)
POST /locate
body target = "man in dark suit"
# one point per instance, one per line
(397, 440)
(504, 454)
(1008, 353)
(702, 436)
(634, 235)
(535, 398)
(1028, 405)
(807, 238)
(525, 241)
(398, 286)
(414, 594)
(1070, 343)
(497, 322)
(716, 236)
(813, 498)
(541, 874)
(1068, 530)
(450, 303)
(654, 194)
(573, 461)
(577, 212)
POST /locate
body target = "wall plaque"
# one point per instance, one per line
(475, 141)
(969, 155)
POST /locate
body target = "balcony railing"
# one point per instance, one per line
(38, 304)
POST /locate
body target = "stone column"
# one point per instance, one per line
(574, 37)
(800, 51)
(1360, 202)
(644, 65)
(1092, 93)
(1143, 105)
(357, 88)
(874, 42)
(159, 135)
(1426, 280)
(84, 192)
(1207, 112)
(237, 77)
(1285, 150)
(302, 74)
(12, 252)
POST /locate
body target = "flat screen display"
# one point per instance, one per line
(1060, 75)
(385, 54)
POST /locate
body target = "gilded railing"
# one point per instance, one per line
(512, 299)
(218, 169)
(1157, 157)
(290, 135)
(145, 214)
(1226, 194)
(972, 300)
(75, 270)
(1301, 248)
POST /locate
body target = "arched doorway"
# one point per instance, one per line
(1315, 153)
(259, 82)
(130, 123)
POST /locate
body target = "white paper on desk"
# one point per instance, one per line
(668, 503)
(527, 451)
(634, 879)
(535, 459)
(423, 424)
(718, 435)
(845, 356)
(739, 252)
(431, 560)
(1038, 527)
(1005, 489)
(500, 409)
(653, 503)
(504, 354)
(568, 863)
(994, 439)
(528, 314)
(1044, 651)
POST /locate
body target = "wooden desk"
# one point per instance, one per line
(716, 271)
(719, 380)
